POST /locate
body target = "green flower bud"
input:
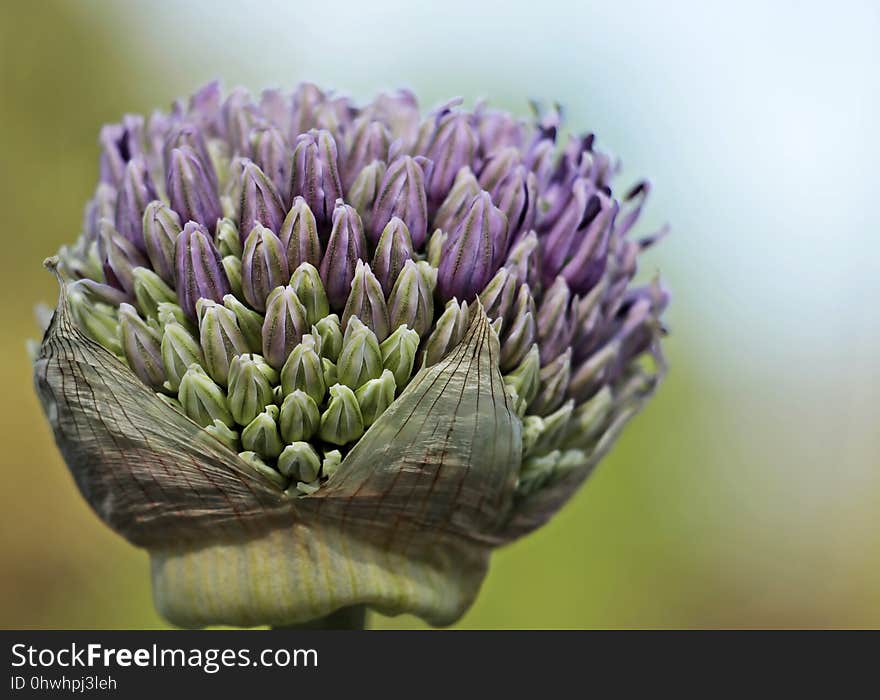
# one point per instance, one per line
(228, 239)
(589, 419)
(399, 354)
(331, 376)
(249, 321)
(342, 422)
(589, 374)
(435, 246)
(306, 282)
(254, 461)
(411, 301)
(99, 321)
(249, 388)
(221, 338)
(365, 188)
(303, 489)
(455, 207)
(261, 436)
(330, 332)
(284, 325)
(179, 351)
(168, 312)
(141, 346)
(332, 460)
(375, 396)
(367, 302)
(300, 462)
(553, 429)
(299, 418)
(303, 370)
(202, 400)
(392, 251)
(224, 434)
(554, 383)
(264, 266)
(497, 296)
(232, 268)
(360, 359)
(150, 291)
(299, 236)
(525, 380)
(518, 338)
(532, 427)
(448, 331)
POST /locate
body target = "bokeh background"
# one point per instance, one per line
(747, 494)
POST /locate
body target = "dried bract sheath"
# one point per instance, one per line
(313, 355)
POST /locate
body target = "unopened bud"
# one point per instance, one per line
(141, 345)
(342, 422)
(299, 418)
(399, 354)
(261, 435)
(202, 400)
(375, 395)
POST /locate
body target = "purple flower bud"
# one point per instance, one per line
(121, 258)
(452, 145)
(410, 301)
(161, 225)
(98, 292)
(260, 201)
(555, 321)
(136, 191)
(284, 326)
(299, 236)
(190, 190)
(497, 130)
(555, 378)
(393, 250)
(141, 345)
(521, 331)
(263, 266)
(198, 270)
(315, 173)
(239, 117)
(369, 141)
(457, 202)
(307, 99)
(119, 144)
(346, 246)
(273, 156)
(204, 105)
(474, 251)
(367, 301)
(400, 110)
(276, 107)
(590, 254)
(188, 135)
(522, 260)
(402, 194)
(365, 189)
(517, 196)
(101, 206)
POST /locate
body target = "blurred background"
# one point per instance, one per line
(747, 494)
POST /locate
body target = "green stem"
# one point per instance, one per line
(352, 617)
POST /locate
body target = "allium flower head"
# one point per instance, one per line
(314, 355)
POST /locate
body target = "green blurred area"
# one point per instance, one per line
(707, 514)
